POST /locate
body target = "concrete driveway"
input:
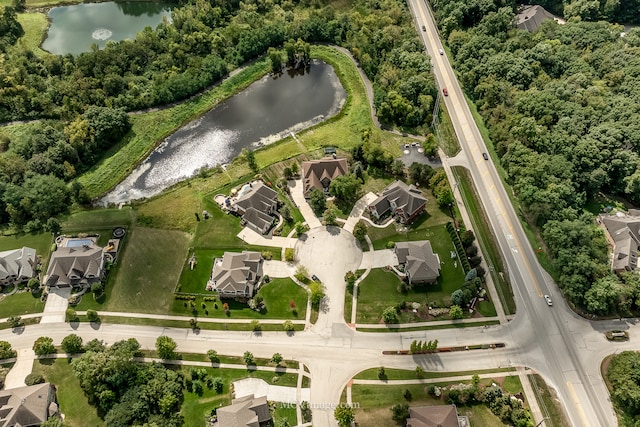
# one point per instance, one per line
(275, 393)
(275, 268)
(297, 194)
(253, 238)
(379, 259)
(22, 368)
(56, 306)
(358, 210)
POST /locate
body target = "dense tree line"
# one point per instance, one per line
(563, 111)
(622, 374)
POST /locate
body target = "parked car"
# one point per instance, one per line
(315, 278)
(485, 156)
(445, 91)
(548, 299)
(617, 335)
(424, 28)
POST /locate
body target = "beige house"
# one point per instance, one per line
(246, 411)
(623, 233)
(436, 416)
(421, 265)
(17, 265)
(75, 266)
(236, 275)
(319, 173)
(27, 406)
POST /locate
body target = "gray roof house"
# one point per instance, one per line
(421, 265)
(404, 201)
(17, 265)
(236, 274)
(623, 233)
(259, 221)
(247, 411)
(259, 197)
(530, 17)
(78, 265)
(436, 416)
(27, 406)
(319, 173)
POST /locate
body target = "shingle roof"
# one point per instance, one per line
(421, 264)
(257, 219)
(624, 230)
(259, 197)
(237, 272)
(19, 263)
(407, 198)
(530, 17)
(75, 264)
(316, 171)
(247, 411)
(25, 406)
(433, 416)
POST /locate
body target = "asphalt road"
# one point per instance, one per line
(544, 335)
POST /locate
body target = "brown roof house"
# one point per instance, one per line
(247, 411)
(421, 265)
(530, 17)
(77, 265)
(27, 406)
(17, 265)
(236, 275)
(257, 203)
(319, 173)
(623, 233)
(436, 416)
(404, 201)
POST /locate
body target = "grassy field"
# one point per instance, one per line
(147, 272)
(72, 400)
(20, 303)
(35, 26)
(41, 242)
(548, 401)
(403, 374)
(277, 294)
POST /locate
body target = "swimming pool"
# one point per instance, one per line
(74, 243)
(244, 190)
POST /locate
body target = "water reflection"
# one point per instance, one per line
(265, 112)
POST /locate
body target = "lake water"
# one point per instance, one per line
(267, 111)
(74, 29)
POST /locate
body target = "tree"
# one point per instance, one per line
(400, 412)
(330, 215)
(382, 375)
(276, 60)
(97, 288)
(10, 28)
(255, 325)
(467, 238)
(43, 346)
(430, 145)
(288, 326)
(390, 315)
(72, 344)
(360, 230)
(93, 316)
(397, 168)
(344, 415)
(71, 315)
(276, 358)
(95, 345)
(33, 379)
(53, 421)
(289, 254)
(250, 157)
(213, 356)
(286, 214)
(53, 226)
(407, 394)
(300, 229)
(218, 384)
(15, 321)
(419, 371)
(165, 347)
(248, 358)
(317, 200)
(346, 187)
(6, 352)
(301, 273)
(455, 312)
(317, 293)
(33, 284)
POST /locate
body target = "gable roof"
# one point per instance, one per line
(530, 17)
(433, 416)
(259, 197)
(624, 232)
(319, 173)
(406, 198)
(19, 263)
(247, 411)
(259, 220)
(25, 406)
(237, 273)
(421, 264)
(70, 265)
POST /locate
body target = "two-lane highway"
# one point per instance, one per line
(547, 328)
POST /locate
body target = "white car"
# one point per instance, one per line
(548, 299)
(441, 51)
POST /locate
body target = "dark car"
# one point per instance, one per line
(485, 156)
(445, 91)
(315, 278)
(424, 28)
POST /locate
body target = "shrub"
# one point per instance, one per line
(92, 315)
(43, 346)
(6, 352)
(72, 344)
(390, 315)
(213, 356)
(71, 315)
(289, 254)
(248, 358)
(400, 412)
(288, 326)
(218, 384)
(382, 375)
(276, 358)
(255, 325)
(33, 379)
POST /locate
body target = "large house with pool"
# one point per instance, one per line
(76, 262)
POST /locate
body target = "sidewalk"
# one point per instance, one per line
(188, 318)
(425, 324)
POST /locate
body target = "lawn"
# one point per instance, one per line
(35, 25)
(41, 242)
(146, 274)
(277, 295)
(196, 408)
(97, 219)
(20, 303)
(404, 374)
(72, 400)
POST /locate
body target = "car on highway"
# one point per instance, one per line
(485, 156)
(441, 51)
(547, 298)
(424, 28)
(445, 91)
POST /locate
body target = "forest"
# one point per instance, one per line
(82, 101)
(562, 107)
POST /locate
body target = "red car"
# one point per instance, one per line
(444, 90)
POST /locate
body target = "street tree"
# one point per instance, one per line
(43, 346)
(360, 230)
(317, 200)
(213, 356)
(6, 352)
(317, 293)
(344, 415)
(276, 358)
(166, 347)
(72, 344)
(248, 358)
(455, 312)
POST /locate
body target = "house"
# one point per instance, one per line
(260, 222)
(246, 411)
(530, 17)
(75, 265)
(236, 274)
(623, 234)
(319, 173)
(421, 265)
(17, 265)
(258, 196)
(436, 416)
(27, 406)
(404, 201)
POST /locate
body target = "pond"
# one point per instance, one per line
(74, 29)
(267, 111)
